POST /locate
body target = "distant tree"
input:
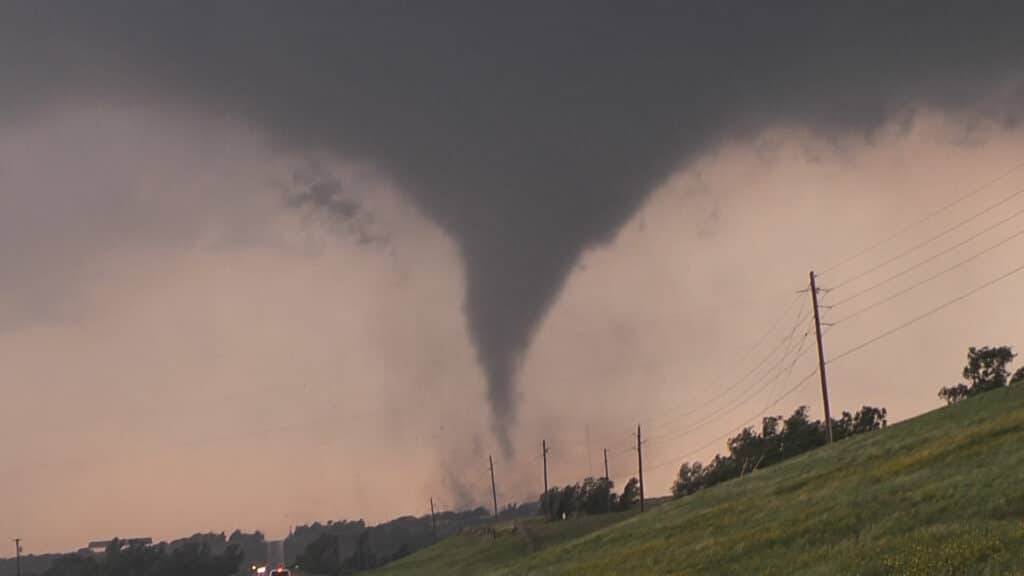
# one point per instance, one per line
(800, 434)
(746, 447)
(198, 559)
(866, 419)
(193, 558)
(594, 495)
(690, 479)
(1017, 377)
(986, 369)
(630, 494)
(403, 551)
(954, 394)
(549, 503)
(778, 440)
(321, 556)
(568, 501)
(74, 565)
(363, 558)
(720, 469)
(253, 546)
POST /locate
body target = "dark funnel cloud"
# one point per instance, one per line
(530, 131)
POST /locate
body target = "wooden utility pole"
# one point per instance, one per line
(821, 360)
(640, 464)
(494, 490)
(544, 499)
(17, 554)
(608, 503)
(433, 521)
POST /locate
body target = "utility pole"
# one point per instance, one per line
(544, 499)
(640, 464)
(494, 490)
(17, 554)
(608, 503)
(433, 521)
(821, 360)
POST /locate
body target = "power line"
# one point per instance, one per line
(801, 318)
(789, 369)
(746, 423)
(931, 239)
(769, 377)
(743, 358)
(926, 218)
(761, 385)
(729, 408)
(929, 259)
(916, 285)
(926, 314)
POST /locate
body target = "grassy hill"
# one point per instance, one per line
(942, 493)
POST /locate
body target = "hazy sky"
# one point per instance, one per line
(262, 265)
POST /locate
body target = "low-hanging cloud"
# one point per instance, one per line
(326, 193)
(529, 131)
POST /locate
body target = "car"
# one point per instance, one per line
(280, 572)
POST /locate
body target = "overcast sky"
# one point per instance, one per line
(263, 265)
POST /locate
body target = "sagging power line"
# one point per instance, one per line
(900, 232)
(932, 258)
(929, 240)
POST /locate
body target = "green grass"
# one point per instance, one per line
(477, 551)
(942, 493)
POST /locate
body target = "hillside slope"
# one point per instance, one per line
(942, 493)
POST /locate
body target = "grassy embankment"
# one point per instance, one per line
(942, 493)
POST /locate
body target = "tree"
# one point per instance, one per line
(549, 503)
(194, 558)
(594, 495)
(253, 546)
(1017, 377)
(779, 439)
(866, 419)
(321, 555)
(74, 565)
(403, 551)
(630, 494)
(567, 501)
(364, 557)
(198, 559)
(986, 369)
(690, 479)
(954, 394)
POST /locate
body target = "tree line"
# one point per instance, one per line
(778, 439)
(589, 497)
(987, 368)
(346, 547)
(194, 558)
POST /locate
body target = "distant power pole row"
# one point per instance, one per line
(639, 438)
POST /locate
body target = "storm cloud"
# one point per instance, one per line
(529, 131)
